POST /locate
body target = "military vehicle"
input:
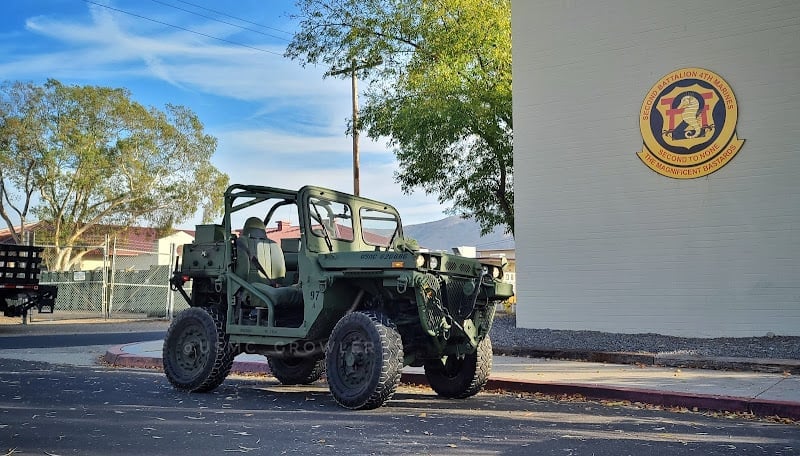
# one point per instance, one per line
(349, 296)
(20, 270)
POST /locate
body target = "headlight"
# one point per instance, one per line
(420, 261)
(434, 262)
(497, 273)
(492, 271)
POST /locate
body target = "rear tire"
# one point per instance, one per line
(296, 370)
(197, 354)
(364, 360)
(461, 378)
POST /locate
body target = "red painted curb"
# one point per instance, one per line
(653, 397)
(117, 357)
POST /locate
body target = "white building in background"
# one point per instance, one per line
(657, 166)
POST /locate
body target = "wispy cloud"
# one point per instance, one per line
(373, 182)
(212, 67)
(282, 142)
(282, 159)
(278, 124)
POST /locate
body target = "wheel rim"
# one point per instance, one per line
(192, 350)
(452, 367)
(355, 361)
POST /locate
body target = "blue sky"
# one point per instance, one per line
(277, 123)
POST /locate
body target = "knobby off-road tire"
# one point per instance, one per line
(364, 360)
(296, 370)
(197, 353)
(461, 378)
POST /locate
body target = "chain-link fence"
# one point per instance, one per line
(113, 282)
(139, 282)
(81, 291)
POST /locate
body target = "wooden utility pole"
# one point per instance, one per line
(353, 69)
(356, 159)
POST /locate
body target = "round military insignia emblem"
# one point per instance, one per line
(688, 124)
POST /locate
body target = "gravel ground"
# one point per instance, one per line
(505, 334)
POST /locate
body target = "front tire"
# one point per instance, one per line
(461, 378)
(364, 360)
(197, 354)
(296, 370)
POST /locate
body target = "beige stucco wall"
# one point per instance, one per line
(144, 260)
(176, 240)
(605, 243)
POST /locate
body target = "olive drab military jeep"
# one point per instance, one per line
(348, 296)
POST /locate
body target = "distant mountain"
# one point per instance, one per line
(453, 232)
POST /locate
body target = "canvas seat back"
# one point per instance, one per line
(254, 248)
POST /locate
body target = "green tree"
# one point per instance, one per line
(90, 155)
(439, 89)
(21, 134)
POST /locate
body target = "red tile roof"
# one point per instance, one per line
(130, 240)
(285, 230)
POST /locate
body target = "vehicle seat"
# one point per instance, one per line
(291, 249)
(253, 242)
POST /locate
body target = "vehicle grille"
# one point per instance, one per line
(458, 303)
(453, 266)
(446, 298)
(431, 291)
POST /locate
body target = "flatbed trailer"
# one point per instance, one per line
(20, 271)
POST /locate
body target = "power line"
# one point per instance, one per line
(221, 21)
(234, 17)
(183, 28)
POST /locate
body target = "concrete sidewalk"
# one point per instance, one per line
(759, 393)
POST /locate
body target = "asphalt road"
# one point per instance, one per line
(76, 340)
(61, 409)
(64, 407)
